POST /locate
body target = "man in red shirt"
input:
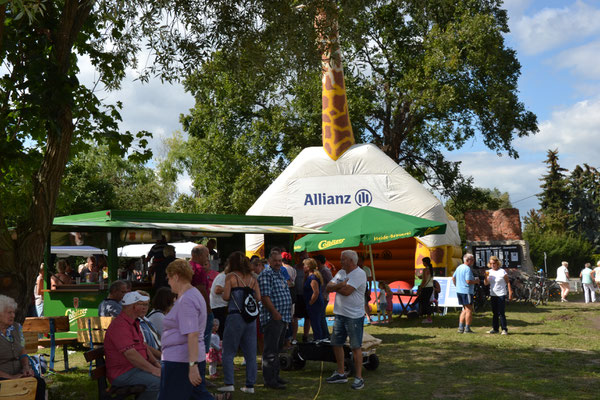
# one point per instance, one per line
(127, 360)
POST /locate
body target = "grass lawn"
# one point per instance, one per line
(551, 352)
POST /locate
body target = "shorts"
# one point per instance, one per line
(464, 299)
(300, 311)
(347, 327)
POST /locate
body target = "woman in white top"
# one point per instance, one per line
(497, 278)
(562, 277)
(161, 304)
(596, 274)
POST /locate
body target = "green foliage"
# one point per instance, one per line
(555, 196)
(99, 180)
(559, 246)
(568, 222)
(421, 77)
(584, 205)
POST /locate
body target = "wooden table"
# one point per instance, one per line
(406, 293)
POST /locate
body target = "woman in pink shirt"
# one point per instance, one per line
(183, 351)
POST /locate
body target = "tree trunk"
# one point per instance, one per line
(25, 253)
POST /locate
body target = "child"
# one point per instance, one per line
(214, 353)
(390, 302)
(381, 302)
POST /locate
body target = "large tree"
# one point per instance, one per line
(46, 114)
(422, 77)
(566, 226)
(584, 204)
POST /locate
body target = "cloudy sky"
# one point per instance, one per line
(558, 45)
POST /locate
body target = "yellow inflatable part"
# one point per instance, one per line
(329, 309)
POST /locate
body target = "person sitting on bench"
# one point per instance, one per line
(128, 361)
(14, 363)
(111, 306)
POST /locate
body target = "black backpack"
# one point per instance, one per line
(249, 308)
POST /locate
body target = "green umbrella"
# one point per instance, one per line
(369, 225)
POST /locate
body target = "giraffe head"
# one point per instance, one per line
(336, 129)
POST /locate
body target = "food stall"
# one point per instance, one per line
(110, 229)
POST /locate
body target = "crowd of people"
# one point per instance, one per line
(200, 317)
(203, 318)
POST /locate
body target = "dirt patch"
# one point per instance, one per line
(595, 322)
(558, 350)
(562, 317)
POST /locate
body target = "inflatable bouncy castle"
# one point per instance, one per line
(324, 183)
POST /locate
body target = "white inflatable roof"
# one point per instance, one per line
(316, 190)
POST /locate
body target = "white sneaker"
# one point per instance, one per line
(248, 390)
(226, 388)
(505, 332)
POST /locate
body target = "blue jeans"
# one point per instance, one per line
(239, 334)
(175, 383)
(136, 376)
(208, 331)
(343, 327)
(498, 310)
(274, 338)
(40, 309)
(315, 313)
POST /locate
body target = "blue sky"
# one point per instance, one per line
(558, 46)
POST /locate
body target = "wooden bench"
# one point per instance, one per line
(51, 325)
(99, 374)
(18, 389)
(91, 330)
(31, 342)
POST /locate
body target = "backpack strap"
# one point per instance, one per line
(240, 279)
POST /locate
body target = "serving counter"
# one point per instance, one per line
(78, 301)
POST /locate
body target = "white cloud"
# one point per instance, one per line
(584, 60)
(184, 184)
(518, 177)
(574, 131)
(516, 8)
(153, 106)
(553, 27)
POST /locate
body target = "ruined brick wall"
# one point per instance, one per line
(485, 225)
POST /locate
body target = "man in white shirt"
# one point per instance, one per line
(349, 285)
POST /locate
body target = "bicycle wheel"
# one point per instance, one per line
(535, 296)
(545, 294)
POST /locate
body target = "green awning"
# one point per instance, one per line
(209, 223)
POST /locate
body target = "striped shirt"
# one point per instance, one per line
(273, 284)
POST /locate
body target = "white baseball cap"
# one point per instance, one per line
(133, 297)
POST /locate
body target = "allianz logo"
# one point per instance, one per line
(361, 198)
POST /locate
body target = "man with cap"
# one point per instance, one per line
(128, 361)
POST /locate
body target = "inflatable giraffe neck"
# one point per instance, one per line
(336, 129)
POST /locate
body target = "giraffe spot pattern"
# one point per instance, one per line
(336, 128)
